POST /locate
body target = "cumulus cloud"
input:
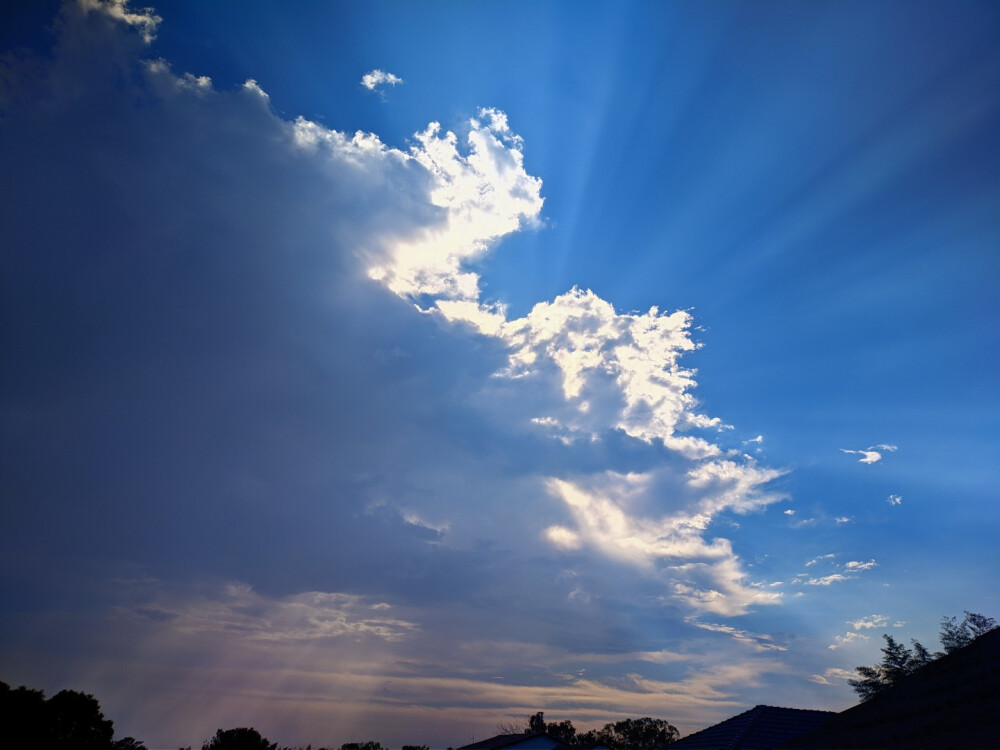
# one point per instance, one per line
(374, 79)
(256, 349)
(872, 454)
(707, 575)
(481, 195)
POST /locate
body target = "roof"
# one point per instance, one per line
(760, 728)
(529, 740)
(953, 701)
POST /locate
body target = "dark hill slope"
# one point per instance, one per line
(953, 702)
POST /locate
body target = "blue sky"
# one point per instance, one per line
(606, 360)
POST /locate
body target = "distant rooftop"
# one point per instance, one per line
(526, 741)
(760, 728)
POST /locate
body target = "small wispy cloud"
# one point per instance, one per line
(835, 672)
(856, 565)
(820, 559)
(872, 454)
(373, 79)
(841, 520)
(237, 611)
(757, 641)
(839, 641)
(868, 623)
(827, 580)
(850, 569)
(789, 512)
(758, 440)
(894, 499)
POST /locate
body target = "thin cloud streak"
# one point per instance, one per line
(872, 454)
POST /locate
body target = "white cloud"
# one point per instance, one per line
(840, 641)
(706, 575)
(867, 623)
(789, 512)
(757, 641)
(856, 565)
(850, 567)
(376, 78)
(563, 538)
(144, 21)
(872, 454)
(841, 520)
(237, 611)
(837, 673)
(821, 558)
(481, 195)
(827, 580)
(895, 499)
(614, 371)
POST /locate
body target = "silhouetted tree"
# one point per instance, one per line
(563, 731)
(241, 738)
(512, 727)
(369, 745)
(23, 710)
(67, 721)
(75, 721)
(536, 723)
(898, 661)
(956, 635)
(646, 733)
(416, 747)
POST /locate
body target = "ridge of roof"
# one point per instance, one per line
(757, 728)
(500, 741)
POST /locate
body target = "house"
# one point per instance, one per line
(760, 728)
(527, 741)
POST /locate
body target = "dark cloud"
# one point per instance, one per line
(213, 420)
(196, 369)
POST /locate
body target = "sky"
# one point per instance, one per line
(395, 370)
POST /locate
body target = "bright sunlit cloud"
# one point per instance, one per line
(373, 79)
